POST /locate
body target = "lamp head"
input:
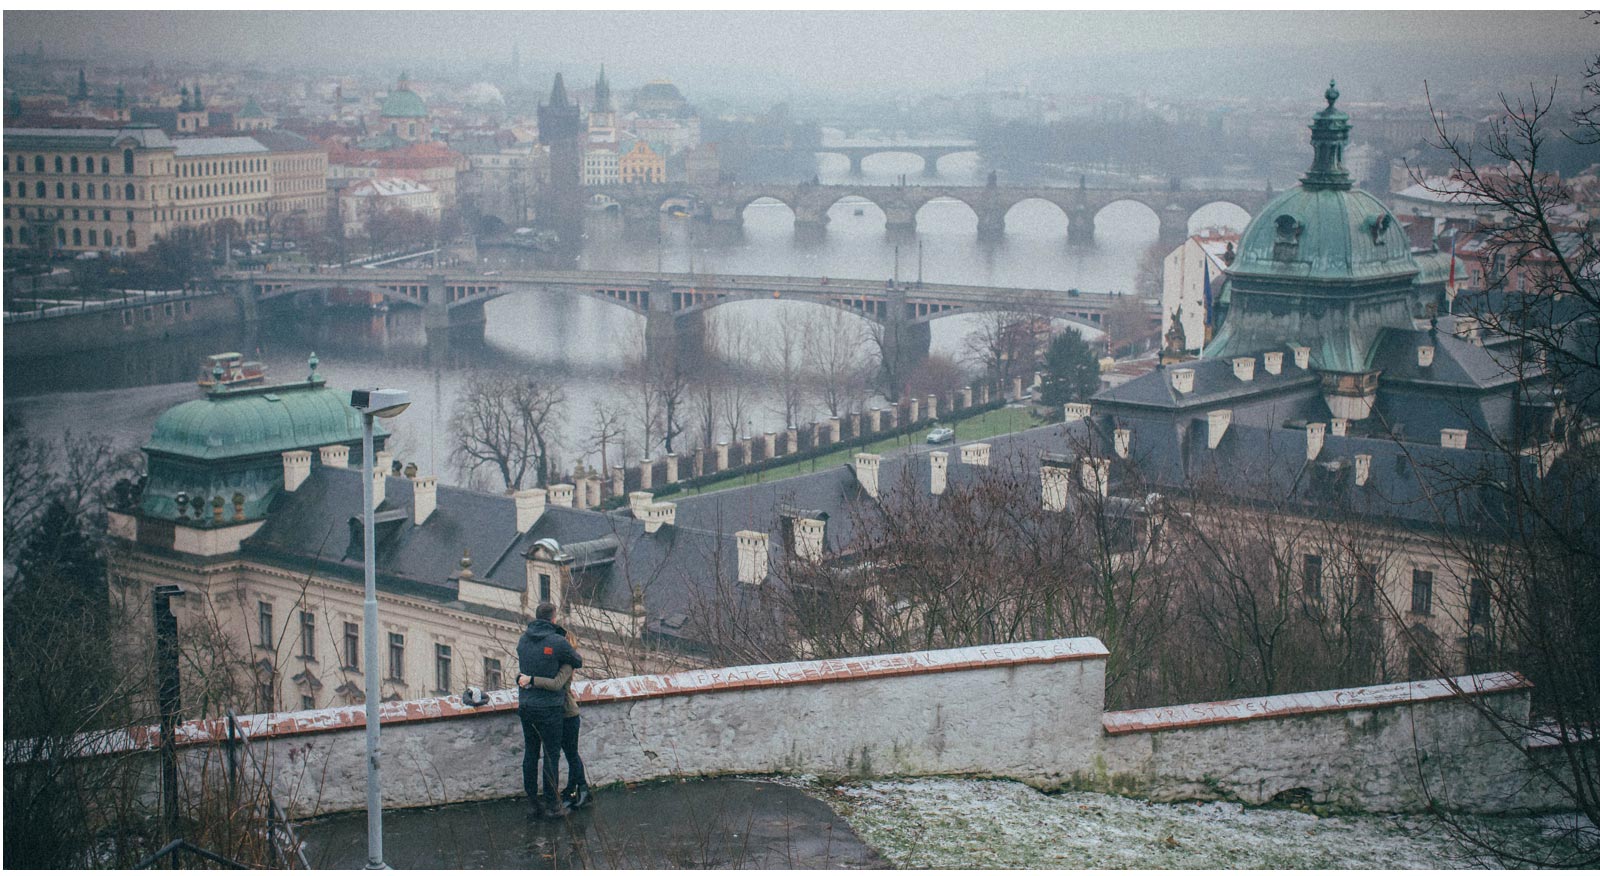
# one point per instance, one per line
(384, 403)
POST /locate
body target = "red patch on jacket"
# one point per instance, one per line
(549, 650)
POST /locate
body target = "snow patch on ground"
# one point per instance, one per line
(963, 824)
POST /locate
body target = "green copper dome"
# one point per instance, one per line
(229, 445)
(1325, 229)
(1325, 234)
(261, 420)
(403, 103)
(1324, 264)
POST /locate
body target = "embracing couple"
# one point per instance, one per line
(549, 713)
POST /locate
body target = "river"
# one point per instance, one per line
(583, 343)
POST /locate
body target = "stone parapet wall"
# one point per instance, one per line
(1030, 711)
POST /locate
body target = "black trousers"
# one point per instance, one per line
(541, 731)
(569, 745)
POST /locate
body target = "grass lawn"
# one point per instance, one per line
(996, 422)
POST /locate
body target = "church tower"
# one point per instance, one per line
(561, 130)
(603, 117)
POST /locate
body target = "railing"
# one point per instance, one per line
(287, 850)
(170, 857)
(65, 307)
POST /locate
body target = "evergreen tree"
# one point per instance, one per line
(1071, 371)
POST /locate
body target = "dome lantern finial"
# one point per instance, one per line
(1330, 132)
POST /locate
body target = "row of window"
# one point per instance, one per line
(24, 236)
(212, 190)
(215, 168)
(70, 164)
(61, 213)
(443, 655)
(1421, 589)
(41, 190)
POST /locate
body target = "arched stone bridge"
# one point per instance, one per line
(725, 203)
(670, 300)
(930, 153)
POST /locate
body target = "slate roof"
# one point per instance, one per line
(190, 147)
(1214, 384)
(316, 529)
(284, 141)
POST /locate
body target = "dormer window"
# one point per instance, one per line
(1286, 237)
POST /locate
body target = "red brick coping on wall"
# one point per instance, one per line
(1311, 703)
(610, 690)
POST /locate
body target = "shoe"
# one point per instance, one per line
(579, 797)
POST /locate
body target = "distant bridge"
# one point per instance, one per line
(673, 303)
(724, 203)
(930, 153)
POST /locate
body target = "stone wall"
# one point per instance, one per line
(1031, 712)
(1361, 748)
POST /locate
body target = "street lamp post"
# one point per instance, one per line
(373, 403)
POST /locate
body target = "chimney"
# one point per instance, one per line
(1363, 468)
(808, 538)
(975, 454)
(1340, 426)
(1183, 380)
(1424, 355)
(752, 556)
(1053, 483)
(938, 469)
(379, 479)
(383, 461)
(1122, 442)
(1095, 474)
(1272, 361)
(1217, 423)
(659, 514)
(560, 495)
(638, 500)
(867, 472)
(1302, 356)
(647, 471)
(335, 455)
(1244, 368)
(1315, 434)
(1454, 439)
(1076, 411)
(296, 468)
(424, 498)
(530, 507)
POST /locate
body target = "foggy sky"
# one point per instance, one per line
(892, 52)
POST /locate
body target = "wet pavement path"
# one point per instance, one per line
(709, 823)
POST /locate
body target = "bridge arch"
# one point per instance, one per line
(1138, 213)
(1221, 213)
(1038, 213)
(949, 214)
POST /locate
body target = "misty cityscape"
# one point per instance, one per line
(1173, 431)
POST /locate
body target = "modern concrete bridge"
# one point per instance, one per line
(673, 304)
(724, 204)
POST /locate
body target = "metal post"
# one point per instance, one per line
(370, 612)
(167, 694)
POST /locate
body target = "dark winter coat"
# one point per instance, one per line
(543, 650)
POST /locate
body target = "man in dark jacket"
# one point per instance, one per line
(542, 650)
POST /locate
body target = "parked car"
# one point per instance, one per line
(942, 435)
